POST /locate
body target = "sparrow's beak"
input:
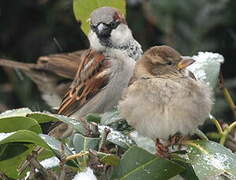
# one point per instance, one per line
(103, 30)
(184, 63)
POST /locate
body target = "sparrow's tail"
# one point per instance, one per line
(16, 65)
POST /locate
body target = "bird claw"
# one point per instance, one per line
(161, 149)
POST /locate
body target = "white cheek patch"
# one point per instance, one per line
(121, 35)
(94, 42)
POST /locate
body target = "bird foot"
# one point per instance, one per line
(176, 140)
(161, 149)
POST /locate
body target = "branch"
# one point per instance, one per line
(227, 95)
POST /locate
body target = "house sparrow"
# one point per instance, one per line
(104, 70)
(53, 74)
(163, 98)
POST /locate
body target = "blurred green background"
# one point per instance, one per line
(30, 28)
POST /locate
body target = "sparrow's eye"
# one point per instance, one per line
(93, 27)
(114, 24)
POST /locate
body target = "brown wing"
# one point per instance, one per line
(64, 64)
(53, 74)
(91, 77)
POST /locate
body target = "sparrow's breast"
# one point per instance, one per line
(158, 108)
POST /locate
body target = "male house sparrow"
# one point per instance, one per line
(53, 74)
(163, 99)
(104, 70)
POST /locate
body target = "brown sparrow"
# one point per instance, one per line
(104, 70)
(163, 99)
(109, 31)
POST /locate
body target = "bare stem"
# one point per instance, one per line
(76, 155)
(104, 138)
(217, 124)
(226, 132)
(227, 96)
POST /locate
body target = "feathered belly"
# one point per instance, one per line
(161, 112)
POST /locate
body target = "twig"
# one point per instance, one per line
(104, 138)
(74, 156)
(37, 165)
(62, 163)
(227, 95)
(226, 132)
(86, 126)
(4, 177)
(217, 124)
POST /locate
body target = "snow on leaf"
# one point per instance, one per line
(50, 162)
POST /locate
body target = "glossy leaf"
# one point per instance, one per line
(11, 150)
(43, 117)
(110, 159)
(110, 117)
(76, 124)
(55, 144)
(139, 164)
(15, 112)
(24, 136)
(11, 124)
(117, 137)
(93, 118)
(83, 8)
(210, 159)
(144, 142)
(9, 166)
(82, 143)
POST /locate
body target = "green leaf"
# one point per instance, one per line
(93, 118)
(139, 164)
(42, 117)
(82, 143)
(24, 136)
(9, 166)
(55, 144)
(83, 9)
(77, 125)
(143, 142)
(11, 124)
(11, 150)
(210, 159)
(15, 112)
(110, 159)
(110, 117)
(188, 173)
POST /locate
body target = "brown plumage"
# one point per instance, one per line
(104, 70)
(52, 74)
(163, 99)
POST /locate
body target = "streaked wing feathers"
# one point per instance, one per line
(64, 64)
(92, 75)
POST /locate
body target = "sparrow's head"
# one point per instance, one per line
(108, 29)
(163, 60)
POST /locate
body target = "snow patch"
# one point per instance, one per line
(85, 175)
(50, 162)
(207, 67)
